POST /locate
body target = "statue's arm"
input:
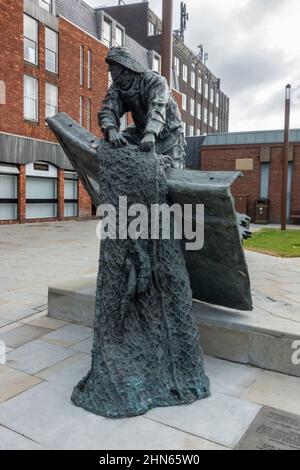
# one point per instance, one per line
(112, 110)
(158, 95)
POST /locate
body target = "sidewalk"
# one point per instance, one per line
(46, 358)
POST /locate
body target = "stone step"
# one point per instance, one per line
(262, 338)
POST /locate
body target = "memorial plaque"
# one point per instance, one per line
(272, 430)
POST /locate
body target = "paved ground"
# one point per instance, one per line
(46, 358)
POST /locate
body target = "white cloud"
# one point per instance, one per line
(253, 47)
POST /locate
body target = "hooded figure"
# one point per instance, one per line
(146, 95)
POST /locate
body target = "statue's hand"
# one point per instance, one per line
(148, 142)
(115, 138)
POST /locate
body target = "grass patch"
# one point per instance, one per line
(275, 242)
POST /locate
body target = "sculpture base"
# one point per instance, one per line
(255, 338)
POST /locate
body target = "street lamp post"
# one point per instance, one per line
(167, 40)
(285, 157)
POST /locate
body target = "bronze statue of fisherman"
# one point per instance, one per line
(144, 93)
(146, 350)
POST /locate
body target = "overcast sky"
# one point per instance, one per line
(254, 47)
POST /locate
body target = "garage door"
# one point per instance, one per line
(8, 192)
(41, 191)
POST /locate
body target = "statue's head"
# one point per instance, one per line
(122, 65)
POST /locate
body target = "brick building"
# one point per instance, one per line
(259, 156)
(52, 60)
(205, 107)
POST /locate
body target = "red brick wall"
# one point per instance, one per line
(70, 40)
(224, 159)
(12, 72)
(216, 159)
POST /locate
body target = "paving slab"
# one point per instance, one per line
(276, 391)
(229, 377)
(10, 440)
(13, 382)
(36, 356)
(22, 335)
(68, 335)
(220, 418)
(45, 415)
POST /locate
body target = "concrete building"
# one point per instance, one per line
(259, 156)
(205, 108)
(52, 59)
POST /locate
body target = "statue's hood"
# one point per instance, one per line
(122, 56)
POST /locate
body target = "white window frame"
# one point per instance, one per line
(119, 28)
(200, 84)
(184, 101)
(193, 79)
(185, 72)
(205, 115)
(47, 103)
(192, 107)
(206, 90)
(81, 65)
(177, 65)
(55, 52)
(90, 68)
(81, 110)
(35, 98)
(34, 40)
(199, 109)
(89, 114)
(107, 40)
(46, 5)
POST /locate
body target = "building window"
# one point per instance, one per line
(46, 4)
(198, 132)
(152, 31)
(184, 102)
(110, 80)
(192, 108)
(8, 192)
(264, 180)
(123, 122)
(156, 64)
(89, 114)
(206, 92)
(184, 127)
(51, 100)
(107, 32)
(193, 79)
(205, 115)
(90, 64)
(71, 194)
(217, 123)
(51, 50)
(119, 36)
(81, 65)
(212, 92)
(185, 72)
(200, 85)
(81, 104)
(31, 28)
(31, 91)
(177, 66)
(191, 131)
(199, 111)
(41, 191)
(211, 119)
(217, 99)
